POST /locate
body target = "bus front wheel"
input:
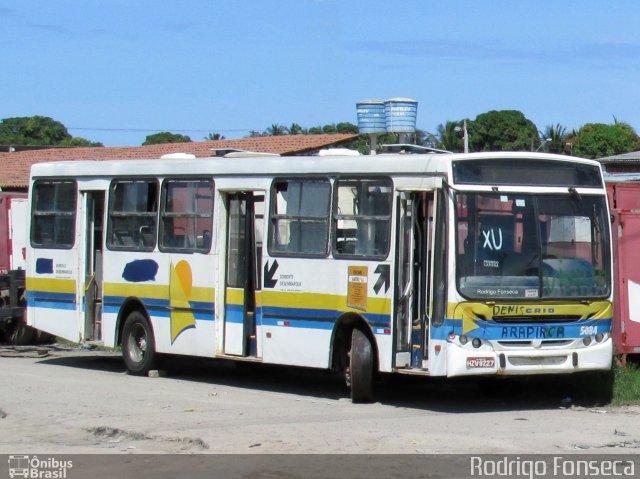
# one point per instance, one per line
(138, 345)
(360, 374)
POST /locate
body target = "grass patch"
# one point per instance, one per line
(626, 386)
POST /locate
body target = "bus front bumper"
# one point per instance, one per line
(463, 361)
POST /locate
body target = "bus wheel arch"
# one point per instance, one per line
(128, 305)
(354, 354)
(137, 338)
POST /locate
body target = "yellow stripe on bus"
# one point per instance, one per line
(234, 296)
(152, 291)
(322, 301)
(156, 291)
(52, 285)
(200, 293)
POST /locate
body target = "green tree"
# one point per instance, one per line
(450, 136)
(77, 142)
(361, 143)
(346, 127)
(505, 130)
(166, 137)
(38, 131)
(296, 129)
(276, 130)
(595, 140)
(214, 137)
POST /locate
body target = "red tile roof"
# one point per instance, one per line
(14, 170)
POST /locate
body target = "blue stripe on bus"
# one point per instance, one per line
(234, 313)
(159, 308)
(158, 312)
(51, 296)
(162, 302)
(59, 305)
(114, 308)
(204, 316)
(203, 305)
(298, 324)
(491, 330)
(318, 315)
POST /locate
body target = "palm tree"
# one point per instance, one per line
(449, 137)
(214, 136)
(554, 136)
(276, 129)
(296, 129)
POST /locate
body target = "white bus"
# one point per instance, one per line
(425, 264)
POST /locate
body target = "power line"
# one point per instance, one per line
(148, 130)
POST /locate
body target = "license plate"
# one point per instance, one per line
(481, 362)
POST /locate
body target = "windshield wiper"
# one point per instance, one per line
(577, 199)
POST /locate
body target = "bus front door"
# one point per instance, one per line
(243, 257)
(413, 278)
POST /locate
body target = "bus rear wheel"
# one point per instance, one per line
(360, 368)
(138, 345)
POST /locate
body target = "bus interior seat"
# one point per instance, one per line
(146, 237)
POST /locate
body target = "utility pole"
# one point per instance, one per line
(466, 137)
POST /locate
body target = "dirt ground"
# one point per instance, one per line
(62, 400)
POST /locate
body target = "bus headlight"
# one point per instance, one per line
(464, 340)
(476, 343)
(599, 337)
(587, 341)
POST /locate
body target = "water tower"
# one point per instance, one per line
(400, 116)
(371, 121)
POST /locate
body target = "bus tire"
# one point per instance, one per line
(361, 368)
(600, 385)
(138, 344)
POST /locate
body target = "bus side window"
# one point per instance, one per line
(362, 215)
(133, 215)
(299, 217)
(186, 215)
(53, 215)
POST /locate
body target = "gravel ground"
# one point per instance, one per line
(62, 400)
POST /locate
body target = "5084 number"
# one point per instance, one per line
(588, 330)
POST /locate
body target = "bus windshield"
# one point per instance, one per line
(528, 246)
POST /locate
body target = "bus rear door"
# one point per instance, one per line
(243, 259)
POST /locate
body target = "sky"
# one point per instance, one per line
(115, 71)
